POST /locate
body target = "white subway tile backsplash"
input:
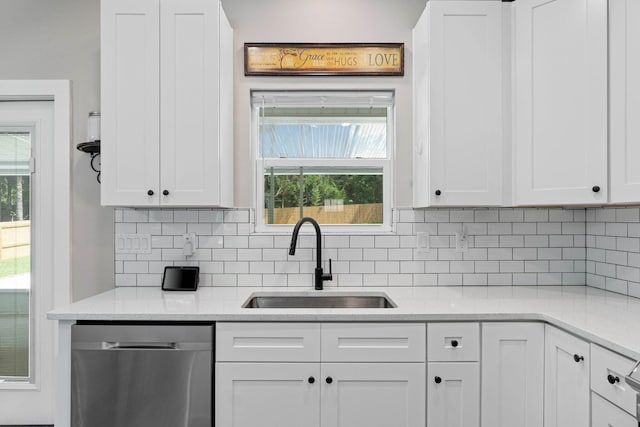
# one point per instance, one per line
(512, 241)
(474, 280)
(361, 242)
(511, 215)
(252, 255)
(251, 279)
(507, 246)
(261, 267)
(486, 215)
(536, 215)
(487, 266)
(183, 215)
(362, 267)
(375, 254)
(461, 215)
(387, 267)
(525, 279)
(237, 267)
(449, 279)
(525, 228)
(400, 254)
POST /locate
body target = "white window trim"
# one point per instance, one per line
(55, 234)
(388, 225)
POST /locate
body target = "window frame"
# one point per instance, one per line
(386, 164)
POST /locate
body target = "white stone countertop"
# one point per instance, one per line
(605, 318)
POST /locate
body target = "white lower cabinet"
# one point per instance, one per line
(512, 374)
(372, 395)
(453, 394)
(301, 388)
(566, 398)
(527, 374)
(606, 414)
(267, 394)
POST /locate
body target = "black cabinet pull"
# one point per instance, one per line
(437, 380)
(577, 358)
(438, 192)
(311, 380)
(329, 380)
(165, 192)
(150, 193)
(454, 343)
(595, 188)
(612, 380)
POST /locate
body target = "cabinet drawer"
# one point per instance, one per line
(373, 342)
(606, 414)
(267, 342)
(607, 367)
(453, 342)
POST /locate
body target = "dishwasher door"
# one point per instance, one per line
(141, 376)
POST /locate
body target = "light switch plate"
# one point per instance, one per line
(422, 242)
(133, 243)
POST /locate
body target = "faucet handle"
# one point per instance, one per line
(328, 276)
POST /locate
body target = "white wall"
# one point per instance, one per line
(323, 21)
(60, 39)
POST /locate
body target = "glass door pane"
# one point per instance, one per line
(15, 254)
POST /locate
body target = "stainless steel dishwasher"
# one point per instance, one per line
(141, 375)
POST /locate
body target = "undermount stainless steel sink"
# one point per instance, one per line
(319, 301)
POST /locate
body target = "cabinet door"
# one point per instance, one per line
(190, 63)
(465, 98)
(453, 393)
(373, 394)
(130, 37)
(512, 374)
(267, 395)
(624, 33)
(560, 102)
(566, 397)
(606, 414)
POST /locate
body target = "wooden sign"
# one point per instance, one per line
(334, 59)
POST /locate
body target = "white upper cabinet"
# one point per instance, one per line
(167, 90)
(458, 111)
(560, 101)
(624, 113)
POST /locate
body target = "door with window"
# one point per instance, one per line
(26, 337)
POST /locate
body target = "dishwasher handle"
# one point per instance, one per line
(115, 345)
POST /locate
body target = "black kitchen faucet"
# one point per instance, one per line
(319, 276)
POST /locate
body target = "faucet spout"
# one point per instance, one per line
(319, 276)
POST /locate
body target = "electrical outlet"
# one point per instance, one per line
(462, 242)
(422, 242)
(189, 244)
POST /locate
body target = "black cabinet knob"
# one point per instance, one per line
(612, 380)
(150, 192)
(437, 380)
(438, 192)
(165, 192)
(595, 189)
(329, 380)
(311, 380)
(577, 358)
(454, 343)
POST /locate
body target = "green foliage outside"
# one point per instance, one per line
(352, 189)
(13, 266)
(14, 198)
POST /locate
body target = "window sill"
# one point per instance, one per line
(281, 230)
